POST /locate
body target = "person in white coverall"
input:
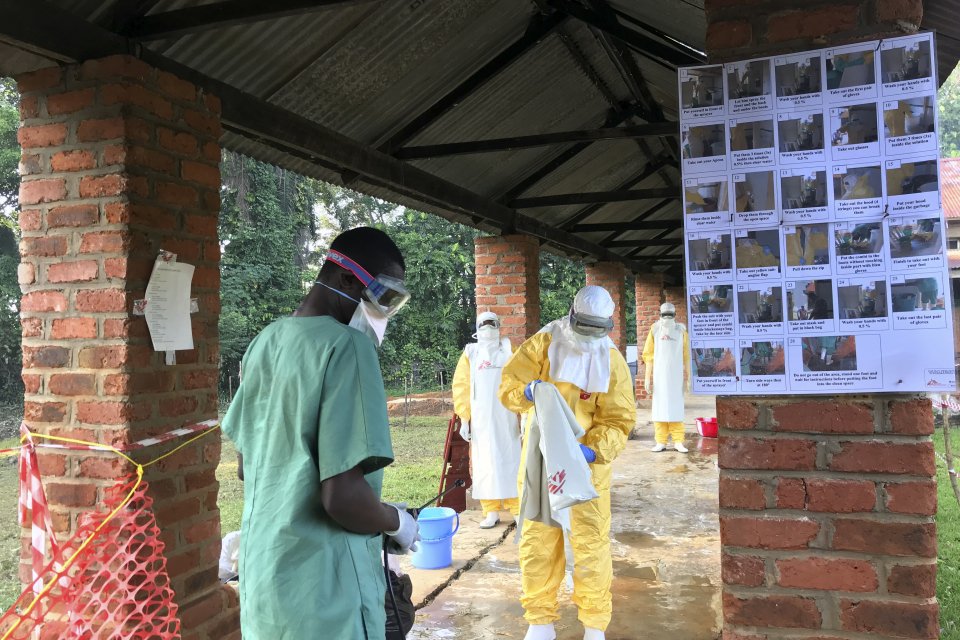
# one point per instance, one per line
(575, 354)
(666, 354)
(492, 430)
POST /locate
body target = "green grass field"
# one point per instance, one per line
(414, 478)
(948, 537)
(9, 531)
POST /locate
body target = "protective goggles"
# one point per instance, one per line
(590, 326)
(490, 323)
(387, 293)
(668, 314)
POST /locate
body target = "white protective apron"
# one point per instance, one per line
(494, 430)
(667, 405)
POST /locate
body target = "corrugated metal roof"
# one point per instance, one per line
(950, 187)
(368, 69)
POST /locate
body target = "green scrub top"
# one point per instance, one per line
(311, 406)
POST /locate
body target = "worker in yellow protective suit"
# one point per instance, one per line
(575, 354)
(666, 355)
(492, 430)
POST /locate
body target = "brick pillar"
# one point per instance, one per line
(120, 160)
(827, 503)
(612, 276)
(508, 283)
(649, 290)
(678, 297)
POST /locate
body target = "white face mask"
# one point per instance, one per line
(366, 319)
(369, 322)
(668, 323)
(488, 334)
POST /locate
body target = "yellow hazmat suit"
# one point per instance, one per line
(607, 419)
(667, 429)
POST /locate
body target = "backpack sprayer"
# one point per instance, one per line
(397, 625)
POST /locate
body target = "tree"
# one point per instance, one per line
(560, 279)
(11, 385)
(267, 233)
(949, 106)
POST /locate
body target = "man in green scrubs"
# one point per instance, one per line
(310, 423)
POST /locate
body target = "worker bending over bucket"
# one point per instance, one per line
(666, 354)
(492, 430)
(575, 354)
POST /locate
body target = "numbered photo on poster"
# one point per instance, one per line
(810, 305)
(912, 185)
(752, 143)
(859, 247)
(851, 72)
(798, 80)
(862, 302)
(762, 358)
(803, 194)
(760, 308)
(704, 147)
(709, 255)
(755, 198)
(857, 191)
(701, 91)
(909, 125)
(830, 353)
(758, 253)
(918, 301)
(801, 137)
(913, 237)
(749, 86)
(715, 362)
(711, 310)
(906, 65)
(706, 201)
(807, 249)
(853, 131)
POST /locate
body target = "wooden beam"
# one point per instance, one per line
(44, 27)
(539, 28)
(636, 225)
(227, 13)
(678, 44)
(564, 199)
(648, 170)
(641, 43)
(646, 242)
(655, 130)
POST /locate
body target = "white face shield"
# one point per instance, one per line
(592, 313)
(488, 327)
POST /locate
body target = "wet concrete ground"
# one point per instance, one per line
(666, 556)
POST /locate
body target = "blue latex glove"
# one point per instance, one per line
(588, 453)
(528, 392)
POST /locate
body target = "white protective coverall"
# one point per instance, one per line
(492, 429)
(665, 354)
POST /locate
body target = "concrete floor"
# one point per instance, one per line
(666, 556)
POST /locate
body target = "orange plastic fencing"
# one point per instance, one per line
(117, 586)
(109, 580)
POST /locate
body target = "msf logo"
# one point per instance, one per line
(556, 481)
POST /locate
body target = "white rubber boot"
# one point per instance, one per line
(593, 634)
(657, 448)
(490, 521)
(680, 448)
(541, 632)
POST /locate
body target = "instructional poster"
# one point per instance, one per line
(814, 235)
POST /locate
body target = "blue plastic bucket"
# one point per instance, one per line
(437, 527)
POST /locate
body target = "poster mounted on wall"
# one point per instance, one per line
(815, 238)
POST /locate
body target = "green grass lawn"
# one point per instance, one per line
(948, 535)
(414, 478)
(9, 531)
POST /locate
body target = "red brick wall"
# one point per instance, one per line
(612, 276)
(120, 160)
(650, 295)
(826, 503)
(827, 516)
(508, 283)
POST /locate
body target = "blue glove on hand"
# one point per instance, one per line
(588, 453)
(528, 392)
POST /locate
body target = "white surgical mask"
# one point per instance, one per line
(668, 323)
(488, 334)
(369, 322)
(366, 318)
